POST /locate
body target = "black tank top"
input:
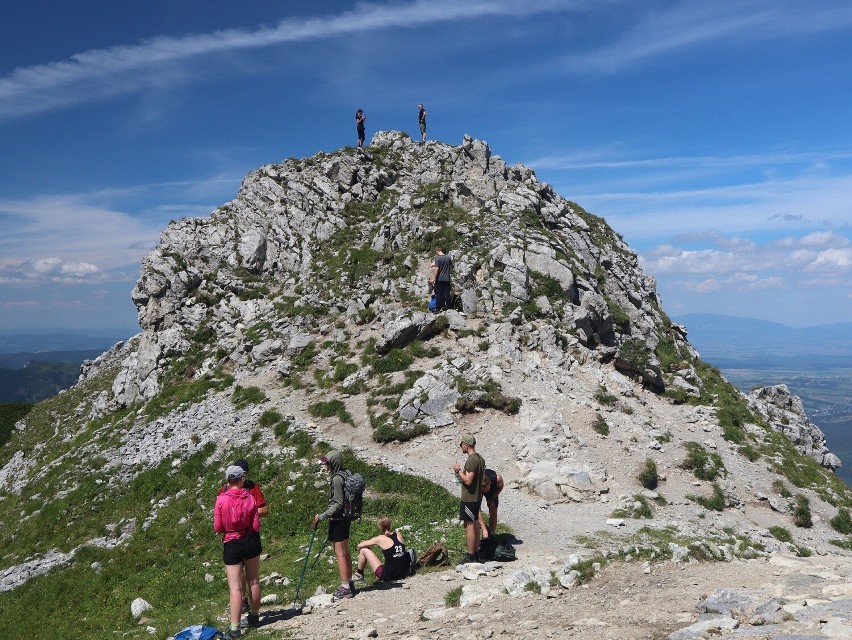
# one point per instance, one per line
(396, 559)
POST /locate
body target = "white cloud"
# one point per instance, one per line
(100, 73)
(696, 23)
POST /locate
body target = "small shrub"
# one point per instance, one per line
(389, 432)
(635, 353)
(802, 513)
(749, 452)
(842, 522)
(394, 360)
(600, 426)
(782, 534)
(648, 477)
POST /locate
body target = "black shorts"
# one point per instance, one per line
(469, 511)
(495, 499)
(245, 548)
(338, 530)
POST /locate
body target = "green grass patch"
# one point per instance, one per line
(842, 522)
(781, 534)
(600, 426)
(330, 408)
(648, 477)
(715, 502)
(604, 397)
(243, 397)
(703, 464)
(802, 513)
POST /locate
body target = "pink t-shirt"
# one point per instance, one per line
(235, 514)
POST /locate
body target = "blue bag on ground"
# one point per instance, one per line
(433, 303)
(199, 632)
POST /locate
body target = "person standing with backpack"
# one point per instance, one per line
(338, 525)
(235, 517)
(421, 121)
(360, 119)
(440, 279)
(262, 509)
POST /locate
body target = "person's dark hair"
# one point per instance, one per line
(242, 464)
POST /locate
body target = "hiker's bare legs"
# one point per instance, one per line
(366, 556)
(235, 588)
(344, 561)
(471, 533)
(492, 518)
(253, 580)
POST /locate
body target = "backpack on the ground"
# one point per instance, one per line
(437, 555)
(353, 494)
(504, 552)
(199, 632)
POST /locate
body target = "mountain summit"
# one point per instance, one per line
(296, 315)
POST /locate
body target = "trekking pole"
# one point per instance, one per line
(304, 566)
(318, 556)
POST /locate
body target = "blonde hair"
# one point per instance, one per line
(384, 523)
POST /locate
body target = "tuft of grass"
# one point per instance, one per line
(716, 502)
(330, 408)
(604, 397)
(705, 465)
(842, 522)
(600, 426)
(532, 586)
(802, 513)
(453, 597)
(245, 396)
(781, 534)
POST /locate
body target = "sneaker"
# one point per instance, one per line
(342, 593)
(357, 577)
(469, 557)
(253, 620)
(233, 633)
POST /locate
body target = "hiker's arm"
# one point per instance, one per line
(368, 543)
(262, 511)
(467, 477)
(433, 274)
(335, 503)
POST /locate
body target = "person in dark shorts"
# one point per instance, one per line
(492, 485)
(235, 517)
(470, 479)
(360, 119)
(396, 557)
(440, 279)
(338, 526)
(421, 120)
(262, 509)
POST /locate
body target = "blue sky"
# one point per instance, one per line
(714, 136)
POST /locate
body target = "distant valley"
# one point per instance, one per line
(36, 366)
(814, 362)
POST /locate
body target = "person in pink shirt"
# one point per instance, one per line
(235, 517)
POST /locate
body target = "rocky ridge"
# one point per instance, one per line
(310, 286)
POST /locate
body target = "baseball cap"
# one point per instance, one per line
(234, 472)
(468, 439)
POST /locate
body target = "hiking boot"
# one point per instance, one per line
(233, 633)
(253, 620)
(342, 593)
(469, 557)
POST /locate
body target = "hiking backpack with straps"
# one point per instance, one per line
(353, 494)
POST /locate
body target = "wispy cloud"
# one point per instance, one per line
(100, 73)
(694, 23)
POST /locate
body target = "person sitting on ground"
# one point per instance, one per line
(492, 485)
(397, 560)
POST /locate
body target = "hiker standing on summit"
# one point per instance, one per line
(235, 517)
(470, 479)
(421, 120)
(360, 119)
(338, 526)
(439, 279)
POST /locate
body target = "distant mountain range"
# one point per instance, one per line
(731, 340)
(62, 340)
